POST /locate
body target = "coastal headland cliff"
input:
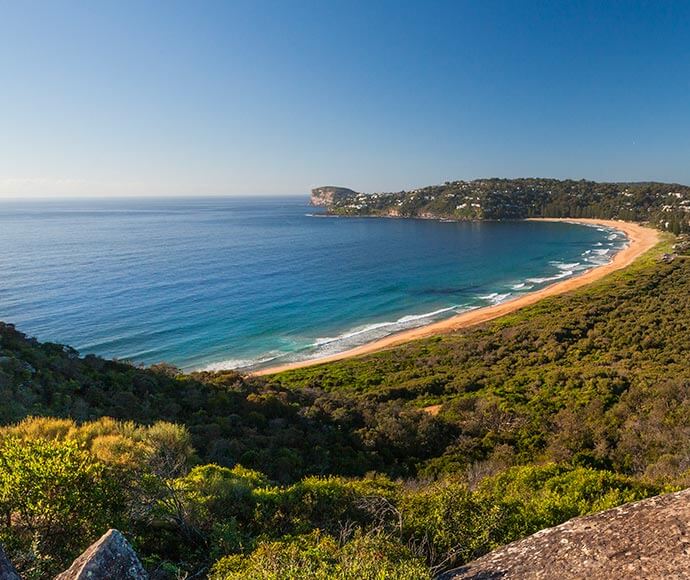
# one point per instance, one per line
(330, 195)
(666, 206)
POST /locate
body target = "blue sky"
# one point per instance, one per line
(168, 98)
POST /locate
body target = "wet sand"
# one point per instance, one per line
(640, 239)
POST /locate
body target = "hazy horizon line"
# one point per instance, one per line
(4, 197)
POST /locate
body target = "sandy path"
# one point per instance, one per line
(640, 239)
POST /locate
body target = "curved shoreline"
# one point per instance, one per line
(640, 239)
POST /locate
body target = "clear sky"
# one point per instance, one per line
(235, 97)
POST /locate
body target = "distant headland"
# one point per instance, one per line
(663, 205)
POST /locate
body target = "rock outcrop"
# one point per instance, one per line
(7, 571)
(646, 539)
(324, 196)
(109, 558)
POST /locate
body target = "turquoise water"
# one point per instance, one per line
(235, 283)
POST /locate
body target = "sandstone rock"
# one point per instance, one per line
(646, 539)
(7, 571)
(325, 196)
(109, 558)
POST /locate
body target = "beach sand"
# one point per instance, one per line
(640, 239)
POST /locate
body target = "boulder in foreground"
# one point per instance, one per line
(110, 557)
(7, 571)
(645, 539)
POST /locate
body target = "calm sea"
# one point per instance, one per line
(231, 283)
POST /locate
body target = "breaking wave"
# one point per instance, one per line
(241, 363)
(408, 321)
(495, 297)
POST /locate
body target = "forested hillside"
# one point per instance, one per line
(398, 464)
(665, 205)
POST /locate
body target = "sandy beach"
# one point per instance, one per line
(640, 239)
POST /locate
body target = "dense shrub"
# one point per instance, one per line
(54, 498)
(321, 557)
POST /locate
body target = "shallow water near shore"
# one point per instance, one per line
(239, 283)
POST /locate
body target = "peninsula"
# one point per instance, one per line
(640, 210)
(663, 205)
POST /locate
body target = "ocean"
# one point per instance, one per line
(211, 283)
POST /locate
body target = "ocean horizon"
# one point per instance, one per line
(220, 283)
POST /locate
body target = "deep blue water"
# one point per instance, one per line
(229, 282)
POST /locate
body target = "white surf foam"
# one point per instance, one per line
(351, 334)
(564, 266)
(414, 317)
(495, 297)
(560, 276)
(405, 321)
(599, 260)
(240, 363)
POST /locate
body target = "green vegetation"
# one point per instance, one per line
(665, 205)
(568, 407)
(322, 557)
(52, 495)
(63, 484)
(596, 378)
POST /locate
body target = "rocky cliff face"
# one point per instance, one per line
(325, 196)
(646, 539)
